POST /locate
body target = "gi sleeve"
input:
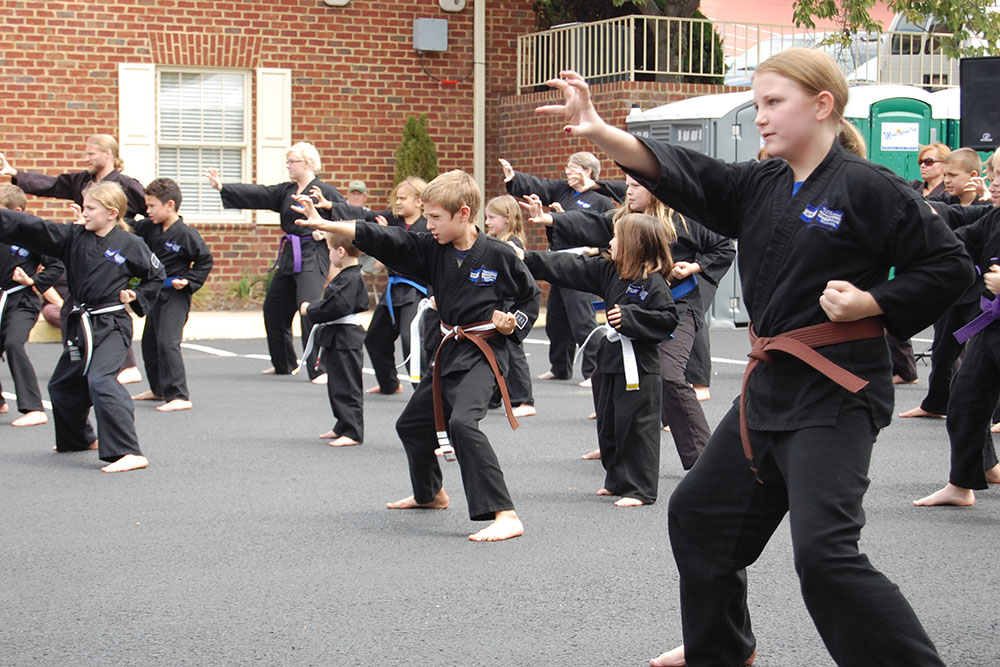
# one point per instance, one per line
(566, 270)
(547, 189)
(335, 304)
(573, 229)
(52, 268)
(715, 254)
(956, 215)
(135, 194)
(653, 320)
(249, 196)
(932, 268)
(343, 211)
(40, 236)
(63, 186)
(396, 248)
(146, 266)
(615, 190)
(526, 298)
(201, 264)
(975, 236)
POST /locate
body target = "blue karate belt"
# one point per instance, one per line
(990, 314)
(169, 282)
(400, 280)
(684, 287)
(85, 312)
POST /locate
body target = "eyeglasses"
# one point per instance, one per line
(929, 162)
(293, 161)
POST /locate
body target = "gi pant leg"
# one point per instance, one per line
(466, 395)
(973, 397)
(518, 375)
(628, 433)
(280, 306)
(944, 359)
(380, 343)
(720, 519)
(344, 388)
(680, 409)
(161, 345)
(561, 344)
(17, 325)
(699, 367)
(404, 318)
(72, 394)
(580, 315)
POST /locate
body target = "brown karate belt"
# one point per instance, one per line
(800, 343)
(476, 333)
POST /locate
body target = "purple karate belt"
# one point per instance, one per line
(990, 314)
(296, 252)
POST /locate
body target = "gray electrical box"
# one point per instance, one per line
(430, 34)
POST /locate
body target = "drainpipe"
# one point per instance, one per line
(479, 101)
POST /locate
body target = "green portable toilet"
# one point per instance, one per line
(895, 121)
(946, 107)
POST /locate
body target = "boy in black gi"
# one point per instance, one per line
(338, 332)
(471, 275)
(20, 270)
(818, 229)
(187, 262)
(102, 258)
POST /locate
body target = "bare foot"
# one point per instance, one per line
(920, 412)
(896, 379)
(675, 658)
(667, 429)
(592, 415)
(147, 395)
(701, 392)
(524, 410)
(320, 379)
(91, 447)
(129, 376)
(626, 501)
(547, 375)
(33, 418)
(378, 390)
(344, 441)
(586, 384)
(268, 371)
(995, 428)
(175, 405)
(993, 474)
(126, 463)
(949, 495)
(329, 435)
(440, 502)
(604, 492)
(505, 526)
(4, 408)
(592, 456)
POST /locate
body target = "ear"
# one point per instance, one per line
(466, 213)
(824, 105)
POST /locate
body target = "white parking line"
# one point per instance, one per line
(735, 362)
(209, 350)
(8, 396)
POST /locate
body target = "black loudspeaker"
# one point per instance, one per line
(980, 78)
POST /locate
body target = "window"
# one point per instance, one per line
(202, 122)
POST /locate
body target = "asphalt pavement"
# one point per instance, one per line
(249, 541)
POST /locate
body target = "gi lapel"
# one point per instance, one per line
(457, 277)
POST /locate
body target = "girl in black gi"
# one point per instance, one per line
(20, 271)
(303, 261)
(641, 313)
(818, 229)
(102, 260)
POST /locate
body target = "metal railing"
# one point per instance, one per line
(639, 47)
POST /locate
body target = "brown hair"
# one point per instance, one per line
(942, 150)
(416, 186)
(165, 189)
(452, 190)
(341, 241)
(643, 248)
(852, 141)
(110, 196)
(814, 72)
(12, 197)
(965, 159)
(658, 210)
(508, 207)
(107, 143)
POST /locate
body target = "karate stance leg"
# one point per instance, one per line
(680, 409)
(71, 404)
(17, 327)
(173, 316)
(308, 287)
(345, 393)
(113, 409)
(629, 436)
(380, 343)
(561, 344)
(280, 306)
(150, 352)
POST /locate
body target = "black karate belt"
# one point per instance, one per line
(476, 333)
(800, 343)
(85, 312)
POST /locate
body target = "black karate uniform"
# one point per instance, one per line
(342, 346)
(71, 186)
(569, 316)
(518, 376)
(850, 220)
(628, 427)
(97, 269)
(489, 276)
(18, 317)
(184, 254)
(386, 326)
(290, 285)
(976, 388)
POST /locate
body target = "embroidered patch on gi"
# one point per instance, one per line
(583, 204)
(172, 246)
(482, 276)
(821, 216)
(520, 319)
(154, 260)
(19, 251)
(637, 291)
(115, 256)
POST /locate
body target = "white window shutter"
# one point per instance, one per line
(137, 119)
(274, 129)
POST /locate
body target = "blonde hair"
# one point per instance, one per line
(508, 207)
(587, 161)
(416, 186)
(965, 159)
(643, 248)
(814, 72)
(307, 152)
(12, 197)
(452, 190)
(110, 196)
(993, 161)
(107, 143)
(942, 150)
(851, 139)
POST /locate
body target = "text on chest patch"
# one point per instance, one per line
(821, 216)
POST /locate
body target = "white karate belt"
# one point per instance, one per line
(4, 293)
(85, 314)
(353, 318)
(628, 353)
(415, 342)
(445, 448)
(574, 251)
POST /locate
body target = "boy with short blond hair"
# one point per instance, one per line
(471, 274)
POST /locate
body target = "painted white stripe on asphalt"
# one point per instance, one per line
(736, 362)
(922, 340)
(209, 350)
(8, 396)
